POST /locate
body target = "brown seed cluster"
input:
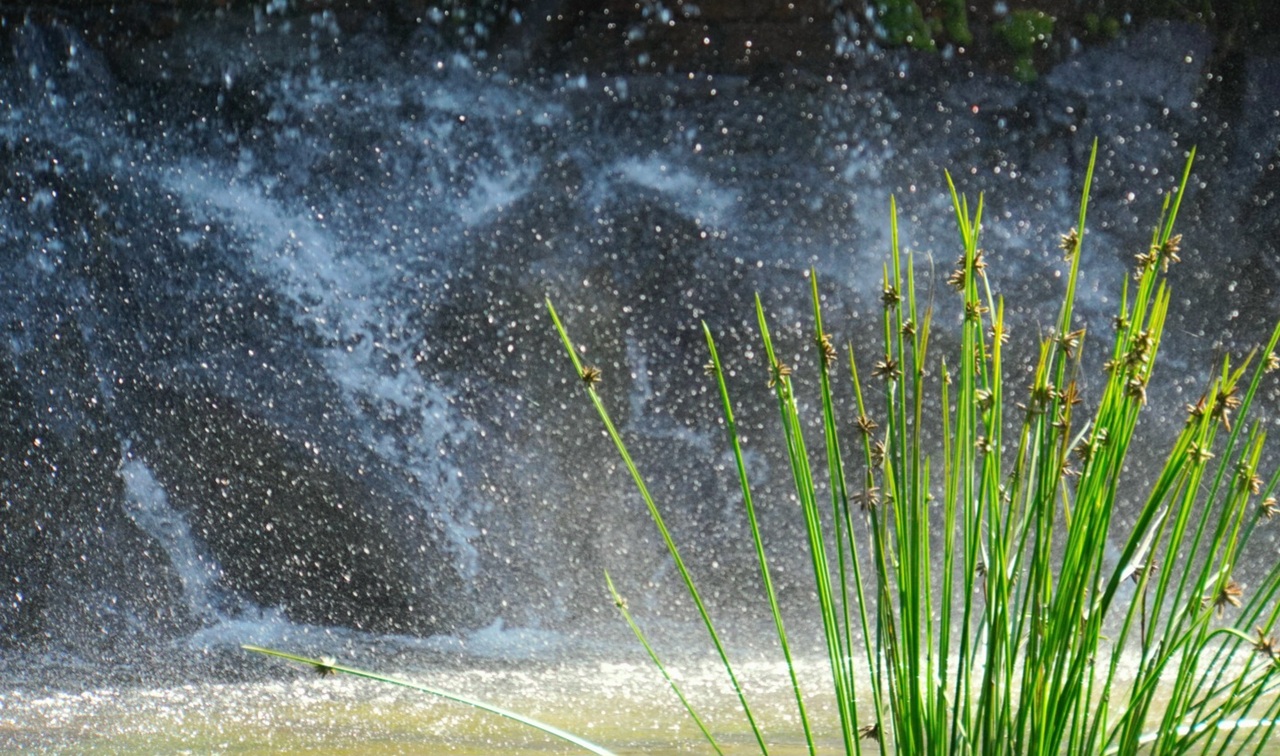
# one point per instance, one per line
(959, 277)
(1228, 595)
(1070, 342)
(891, 296)
(325, 666)
(1265, 645)
(777, 373)
(1270, 507)
(826, 349)
(887, 369)
(1248, 480)
(1069, 243)
(868, 498)
(1159, 255)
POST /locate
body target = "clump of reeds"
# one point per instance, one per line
(1020, 635)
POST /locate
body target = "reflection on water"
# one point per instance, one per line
(623, 706)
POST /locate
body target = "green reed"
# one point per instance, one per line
(971, 605)
(327, 666)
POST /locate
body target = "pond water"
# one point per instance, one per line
(622, 705)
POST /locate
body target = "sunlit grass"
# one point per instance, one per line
(967, 602)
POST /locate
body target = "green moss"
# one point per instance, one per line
(955, 21)
(1107, 27)
(1024, 31)
(902, 23)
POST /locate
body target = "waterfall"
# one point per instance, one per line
(274, 321)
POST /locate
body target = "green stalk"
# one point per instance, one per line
(803, 478)
(874, 655)
(621, 604)
(731, 428)
(328, 666)
(839, 507)
(586, 376)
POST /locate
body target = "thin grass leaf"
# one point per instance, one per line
(621, 605)
(731, 428)
(588, 377)
(328, 666)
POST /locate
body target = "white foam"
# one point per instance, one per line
(369, 343)
(147, 504)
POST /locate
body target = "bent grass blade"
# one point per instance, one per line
(327, 666)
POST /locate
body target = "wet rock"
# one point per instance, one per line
(289, 530)
(74, 567)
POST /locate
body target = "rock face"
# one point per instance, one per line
(70, 557)
(130, 341)
(751, 37)
(727, 37)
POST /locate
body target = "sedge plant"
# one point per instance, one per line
(986, 599)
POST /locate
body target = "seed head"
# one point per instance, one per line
(1070, 395)
(1146, 261)
(1142, 569)
(1084, 450)
(778, 373)
(826, 349)
(1136, 388)
(1223, 404)
(1270, 508)
(1248, 479)
(866, 425)
(1199, 454)
(867, 498)
(1265, 645)
(877, 453)
(1228, 594)
(1139, 350)
(1041, 396)
(1168, 252)
(590, 376)
(887, 369)
(325, 666)
(1069, 342)
(1195, 411)
(1069, 243)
